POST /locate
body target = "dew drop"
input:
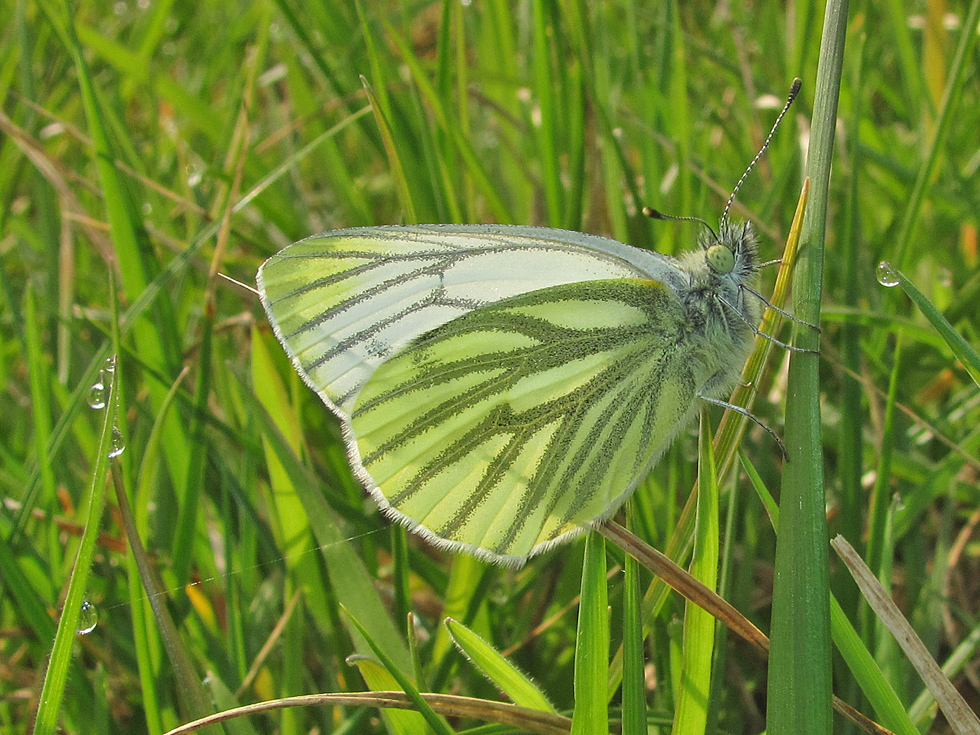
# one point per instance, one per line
(88, 618)
(96, 395)
(886, 274)
(110, 365)
(194, 175)
(118, 443)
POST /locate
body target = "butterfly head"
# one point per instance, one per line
(731, 252)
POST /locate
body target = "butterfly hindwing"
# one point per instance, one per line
(510, 427)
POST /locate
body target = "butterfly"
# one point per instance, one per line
(502, 388)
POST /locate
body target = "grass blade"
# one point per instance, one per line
(592, 644)
(889, 276)
(961, 717)
(800, 687)
(691, 711)
(56, 674)
(507, 677)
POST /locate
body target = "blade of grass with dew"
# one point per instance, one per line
(56, 673)
(966, 354)
(694, 697)
(591, 716)
(800, 693)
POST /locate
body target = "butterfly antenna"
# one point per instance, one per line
(793, 91)
(656, 214)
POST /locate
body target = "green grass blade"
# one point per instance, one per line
(592, 643)
(544, 95)
(961, 717)
(859, 660)
(800, 683)
(435, 721)
(504, 675)
(462, 590)
(56, 674)
(634, 675)
(156, 341)
(379, 679)
(464, 147)
(394, 157)
(691, 709)
(882, 696)
(351, 583)
(40, 395)
(964, 654)
(962, 349)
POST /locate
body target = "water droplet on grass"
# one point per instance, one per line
(97, 395)
(88, 618)
(118, 443)
(886, 274)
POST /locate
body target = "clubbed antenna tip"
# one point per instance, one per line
(655, 214)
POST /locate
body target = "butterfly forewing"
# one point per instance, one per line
(343, 302)
(513, 426)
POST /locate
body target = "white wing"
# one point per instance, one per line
(342, 302)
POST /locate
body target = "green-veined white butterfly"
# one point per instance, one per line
(501, 388)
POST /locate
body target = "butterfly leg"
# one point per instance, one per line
(749, 415)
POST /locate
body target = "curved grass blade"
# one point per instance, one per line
(508, 715)
(960, 347)
(507, 677)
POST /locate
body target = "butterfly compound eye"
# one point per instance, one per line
(720, 259)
